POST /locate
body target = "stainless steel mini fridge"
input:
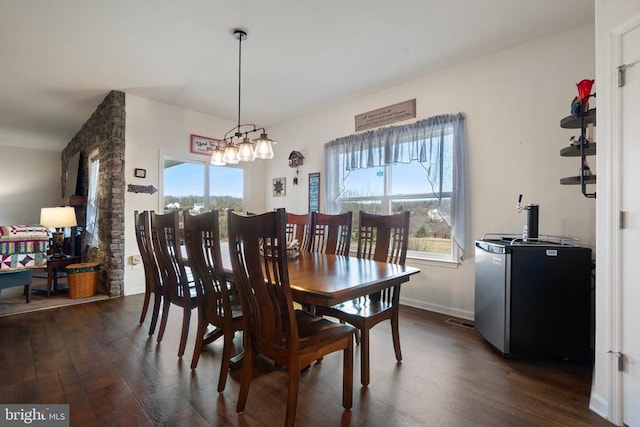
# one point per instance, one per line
(534, 298)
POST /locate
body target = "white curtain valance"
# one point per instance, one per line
(395, 144)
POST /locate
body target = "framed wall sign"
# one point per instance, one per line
(386, 115)
(140, 173)
(203, 144)
(314, 192)
(279, 187)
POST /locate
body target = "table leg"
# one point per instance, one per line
(27, 292)
(50, 272)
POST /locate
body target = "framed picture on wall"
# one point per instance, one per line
(314, 192)
(203, 144)
(279, 187)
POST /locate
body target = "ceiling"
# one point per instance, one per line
(58, 59)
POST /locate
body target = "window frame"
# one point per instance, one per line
(197, 159)
(422, 141)
(93, 160)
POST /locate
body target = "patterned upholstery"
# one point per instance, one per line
(23, 246)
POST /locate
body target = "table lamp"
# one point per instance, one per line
(58, 218)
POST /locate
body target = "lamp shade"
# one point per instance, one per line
(217, 158)
(58, 217)
(245, 151)
(264, 150)
(231, 154)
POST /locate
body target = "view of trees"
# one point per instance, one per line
(196, 203)
(428, 230)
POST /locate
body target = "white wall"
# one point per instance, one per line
(153, 128)
(30, 180)
(610, 16)
(513, 102)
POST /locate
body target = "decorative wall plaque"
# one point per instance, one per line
(149, 189)
(386, 115)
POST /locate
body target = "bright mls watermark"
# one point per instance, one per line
(37, 415)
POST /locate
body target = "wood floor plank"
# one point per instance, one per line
(97, 358)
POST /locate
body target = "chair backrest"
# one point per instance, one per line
(331, 233)
(165, 233)
(257, 246)
(202, 241)
(299, 227)
(149, 263)
(384, 237)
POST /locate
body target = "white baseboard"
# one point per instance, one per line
(442, 309)
(133, 291)
(599, 405)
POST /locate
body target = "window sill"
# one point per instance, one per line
(430, 262)
(426, 262)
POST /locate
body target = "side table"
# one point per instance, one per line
(54, 266)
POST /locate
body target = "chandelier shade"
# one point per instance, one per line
(246, 151)
(217, 158)
(264, 150)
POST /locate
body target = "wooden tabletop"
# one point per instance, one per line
(326, 280)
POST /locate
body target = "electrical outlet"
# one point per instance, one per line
(136, 259)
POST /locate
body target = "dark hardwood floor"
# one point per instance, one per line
(97, 358)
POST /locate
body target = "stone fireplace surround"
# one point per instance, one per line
(104, 131)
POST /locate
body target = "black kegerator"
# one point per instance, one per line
(533, 298)
(533, 294)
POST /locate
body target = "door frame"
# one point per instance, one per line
(615, 187)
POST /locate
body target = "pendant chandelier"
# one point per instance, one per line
(236, 147)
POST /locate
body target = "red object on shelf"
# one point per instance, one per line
(584, 89)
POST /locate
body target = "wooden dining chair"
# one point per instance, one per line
(331, 233)
(177, 287)
(152, 282)
(292, 338)
(299, 227)
(382, 238)
(217, 305)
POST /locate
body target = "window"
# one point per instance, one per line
(416, 167)
(92, 200)
(198, 186)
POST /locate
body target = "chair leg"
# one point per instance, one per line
(145, 306)
(27, 293)
(157, 302)
(364, 356)
(186, 318)
(245, 381)
(226, 360)
(163, 320)
(202, 330)
(347, 376)
(395, 333)
(292, 396)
